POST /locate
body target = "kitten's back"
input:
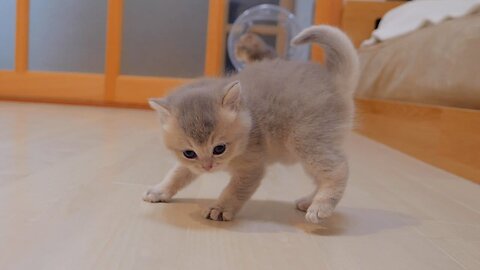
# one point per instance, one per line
(288, 95)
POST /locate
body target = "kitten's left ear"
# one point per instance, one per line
(233, 96)
(160, 105)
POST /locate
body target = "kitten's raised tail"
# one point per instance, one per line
(341, 56)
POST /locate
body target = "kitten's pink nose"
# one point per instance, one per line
(207, 166)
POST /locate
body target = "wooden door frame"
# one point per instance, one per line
(110, 87)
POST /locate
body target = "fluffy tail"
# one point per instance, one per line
(342, 59)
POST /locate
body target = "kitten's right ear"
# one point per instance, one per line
(160, 105)
(233, 96)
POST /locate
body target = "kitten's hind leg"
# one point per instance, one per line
(330, 173)
(176, 179)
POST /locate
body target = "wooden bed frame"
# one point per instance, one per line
(445, 137)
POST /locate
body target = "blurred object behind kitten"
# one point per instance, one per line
(272, 111)
(250, 47)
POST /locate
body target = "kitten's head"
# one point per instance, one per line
(204, 124)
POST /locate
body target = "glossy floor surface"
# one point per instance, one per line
(72, 178)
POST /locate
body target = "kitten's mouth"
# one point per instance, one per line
(210, 169)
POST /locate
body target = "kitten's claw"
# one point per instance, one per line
(218, 214)
(317, 212)
(155, 196)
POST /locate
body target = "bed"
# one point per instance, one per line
(436, 65)
(398, 107)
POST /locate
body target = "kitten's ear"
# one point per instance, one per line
(233, 96)
(160, 105)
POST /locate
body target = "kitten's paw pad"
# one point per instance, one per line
(218, 214)
(317, 212)
(155, 196)
(302, 204)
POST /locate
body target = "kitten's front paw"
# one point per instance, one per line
(156, 196)
(302, 204)
(318, 212)
(218, 213)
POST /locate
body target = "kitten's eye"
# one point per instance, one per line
(189, 154)
(219, 149)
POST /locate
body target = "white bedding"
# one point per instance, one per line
(417, 14)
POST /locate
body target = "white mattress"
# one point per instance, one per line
(418, 14)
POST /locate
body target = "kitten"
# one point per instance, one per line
(250, 48)
(272, 111)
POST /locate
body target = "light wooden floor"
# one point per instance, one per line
(71, 180)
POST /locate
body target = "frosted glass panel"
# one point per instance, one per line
(7, 34)
(164, 38)
(67, 35)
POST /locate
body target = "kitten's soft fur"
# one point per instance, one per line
(273, 111)
(251, 47)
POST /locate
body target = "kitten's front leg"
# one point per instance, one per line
(176, 179)
(241, 187)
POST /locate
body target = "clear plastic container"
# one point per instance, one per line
(266, 21)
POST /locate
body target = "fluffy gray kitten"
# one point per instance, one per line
(272, 111)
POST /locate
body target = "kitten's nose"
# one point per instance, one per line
(207, 166)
